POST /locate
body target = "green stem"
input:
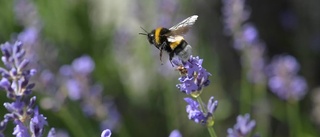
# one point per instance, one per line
(245, 96)
(71, 122)
(261, 105)
(293, 118)
(212, 132)
(204, 110)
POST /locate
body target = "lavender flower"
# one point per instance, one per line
(15, 80)
(194, 77)
(284, 80)
(243, 126)
(198, 115)
(106, 133)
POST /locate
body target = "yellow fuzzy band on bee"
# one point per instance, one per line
(157, 35)
(176, 42)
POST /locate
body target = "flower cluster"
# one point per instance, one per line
(243, 126)
(194, 76)
(284, 80)
(15, 80)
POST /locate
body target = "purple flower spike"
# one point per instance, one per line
(284, 80)
(243, 126)
(106, 133)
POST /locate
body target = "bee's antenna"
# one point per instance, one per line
(144, 31)
(143, 34)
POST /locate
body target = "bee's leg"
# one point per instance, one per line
(161, 55)
(170, 58)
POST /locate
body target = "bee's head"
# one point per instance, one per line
(150, 35)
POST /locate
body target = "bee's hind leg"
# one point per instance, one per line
(170, 58)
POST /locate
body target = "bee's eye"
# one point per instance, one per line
(150, 38)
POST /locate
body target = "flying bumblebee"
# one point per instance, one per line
(171, 40)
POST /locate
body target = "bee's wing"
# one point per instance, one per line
(182, 27)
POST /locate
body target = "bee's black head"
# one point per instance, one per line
(150, 35)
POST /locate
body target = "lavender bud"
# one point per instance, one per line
(52, 133)
(3, 125)
(30, 111)
(5, 83)
(23, 64)
(20, 54)
(13, 72)
(11, 95)
(9, 116)
(27, 92)
(32, 72)
(106, 133)
(5, 74)
(17, 47)
(32, 101)
(5, 51)
(23, 82)
(31, 86)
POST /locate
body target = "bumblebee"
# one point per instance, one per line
(171, 41)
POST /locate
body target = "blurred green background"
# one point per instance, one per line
(143, 90)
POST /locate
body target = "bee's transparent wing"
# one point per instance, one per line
(183, 27)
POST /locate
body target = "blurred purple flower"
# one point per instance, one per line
(74, 89)
(235, 13)
(29, 36)
(201, 116)
(243, 126)
(175, 133)
(195, 78)
(26, 13)
(250, 33)
(83, 64)
(284, 80)
(106, 133)
(256, 72)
